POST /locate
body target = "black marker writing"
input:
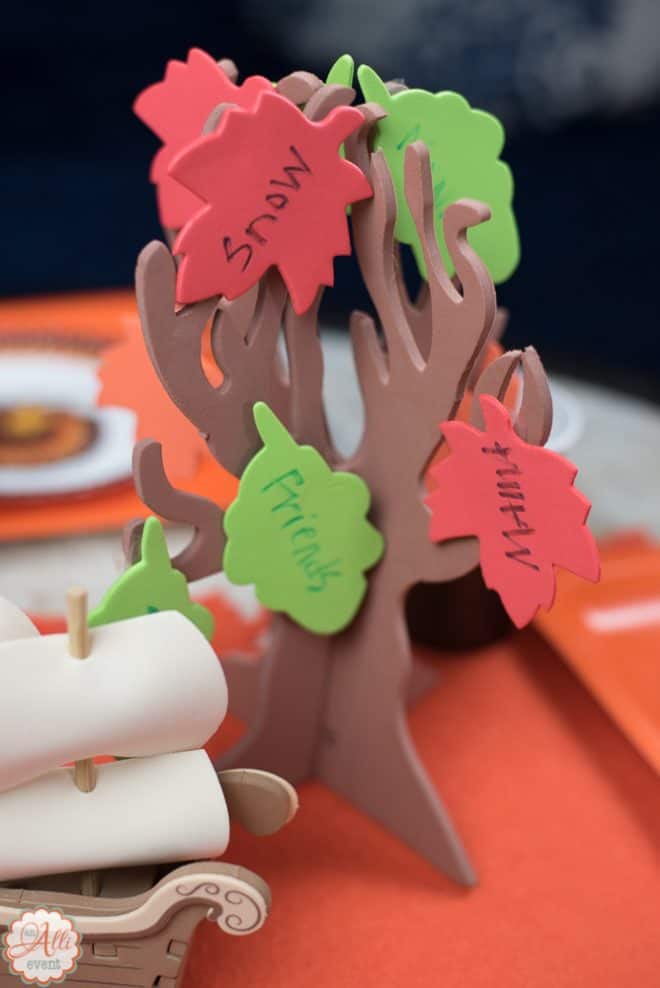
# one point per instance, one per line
(256, 229)
(514, 509)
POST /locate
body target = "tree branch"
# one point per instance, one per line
(174, 339)
(229, 68)
(415, 378)
(298, 87)
(533, 420)
(306, 412)
(494, 380)
(244, 337)
(467, 314)
(244, 346)
(307, 417)
(419, 380)
(373, 234)
(203, 555)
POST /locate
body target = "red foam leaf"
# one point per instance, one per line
(520, 502)
(276, 192)
(176, 109)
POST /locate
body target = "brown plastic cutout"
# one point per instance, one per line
(335, 708)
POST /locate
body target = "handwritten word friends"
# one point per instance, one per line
(300, 531)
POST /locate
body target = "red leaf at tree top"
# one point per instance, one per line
(520, 502)
(276, 192)
(176, 109)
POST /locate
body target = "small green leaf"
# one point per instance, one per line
(373, 87)
(299, 532)
(342, 72)
(151, 585)
(465, 146)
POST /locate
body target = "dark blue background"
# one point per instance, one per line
(77, 205)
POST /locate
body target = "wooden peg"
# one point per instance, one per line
(76, 603)
(84, 773)
(79, 648)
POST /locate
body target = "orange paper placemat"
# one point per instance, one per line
(84, 328)
(609, 633)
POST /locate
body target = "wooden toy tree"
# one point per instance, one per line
(334, 706)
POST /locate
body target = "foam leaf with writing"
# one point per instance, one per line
(176, 109)
(519, 500)
(465, 146)
(275, 192)
(151, 585)
(299, 532)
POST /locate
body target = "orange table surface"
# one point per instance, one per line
(560, 815)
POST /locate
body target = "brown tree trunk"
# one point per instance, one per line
(283, 693)
(366, 751)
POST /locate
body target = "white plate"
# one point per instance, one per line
(568, 420)
(65, 383)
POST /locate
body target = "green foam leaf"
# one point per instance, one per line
(464, 146)
(151, 585)
(299, 532)
(341, 72)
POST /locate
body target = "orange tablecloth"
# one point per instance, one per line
(561, 817)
